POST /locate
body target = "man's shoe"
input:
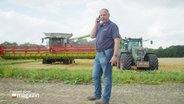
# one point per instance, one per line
(92, 98)
(101, 102)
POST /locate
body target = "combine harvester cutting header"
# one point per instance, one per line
(59, 49)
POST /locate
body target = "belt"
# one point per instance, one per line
(103, 50)
(100, 50)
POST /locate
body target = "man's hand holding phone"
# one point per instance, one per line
(98, 19)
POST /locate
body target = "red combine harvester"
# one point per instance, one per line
(58, 49)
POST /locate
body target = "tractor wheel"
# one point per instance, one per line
(125, 61)
(44, 61)
(67, 61)
(47, 61)
(118, 62)
(153, 61)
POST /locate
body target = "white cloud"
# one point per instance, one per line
(49, 6)
(21, 28)
(159, 20)
(156, 30)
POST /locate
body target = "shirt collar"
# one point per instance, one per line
(108, 22)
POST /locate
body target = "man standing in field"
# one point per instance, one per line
(107, 45)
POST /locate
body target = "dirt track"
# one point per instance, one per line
(58, 93)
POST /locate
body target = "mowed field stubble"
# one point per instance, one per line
(170, 64)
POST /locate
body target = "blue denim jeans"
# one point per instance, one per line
(102, 66)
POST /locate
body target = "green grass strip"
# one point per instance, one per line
(11, 61)
(84, 76)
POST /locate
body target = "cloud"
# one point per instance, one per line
(22, 28)
(52, 6)
(158, 3)
(159, 20)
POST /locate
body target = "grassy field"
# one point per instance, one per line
(171, 70)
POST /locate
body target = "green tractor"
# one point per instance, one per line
(132, 53)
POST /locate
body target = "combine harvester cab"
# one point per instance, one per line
(58, 49)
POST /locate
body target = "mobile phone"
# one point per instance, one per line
(99, 19)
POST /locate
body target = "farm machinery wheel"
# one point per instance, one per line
(118, 61)
(125, 61)
(46, 61)
(153, 61)
(69, 61)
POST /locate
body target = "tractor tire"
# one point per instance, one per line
(153, 62)
(118, 62)
(47, 61)
(125, 62)
(44, 61)
(69, 61)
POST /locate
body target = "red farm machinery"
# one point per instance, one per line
(57, 49)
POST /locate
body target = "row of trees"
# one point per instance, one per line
(6, 43)
(172, 51)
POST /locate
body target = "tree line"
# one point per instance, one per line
(172, 51)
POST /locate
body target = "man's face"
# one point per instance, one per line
(104, 16)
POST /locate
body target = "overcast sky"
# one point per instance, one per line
(159, 20)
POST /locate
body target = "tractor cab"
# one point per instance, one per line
(133, 43)
(128, 44)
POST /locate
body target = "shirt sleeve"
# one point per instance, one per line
(115, 32)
